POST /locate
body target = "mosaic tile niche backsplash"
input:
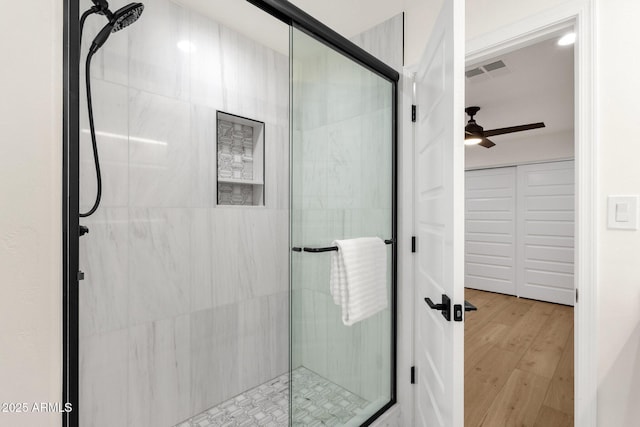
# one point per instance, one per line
(240, 161)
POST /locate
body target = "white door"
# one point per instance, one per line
(439, 222)
(490, 230)
(546, 219)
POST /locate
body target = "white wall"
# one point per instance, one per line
(30, 212)
(481, 16)
(487, 15)
(525, 149)
(418, 16)
(618, 173)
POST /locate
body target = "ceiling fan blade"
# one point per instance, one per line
(502, 131)
(487, 143)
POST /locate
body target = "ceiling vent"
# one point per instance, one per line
(474, 72)
(494, 66)
(487, 72)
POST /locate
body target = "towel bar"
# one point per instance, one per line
(329, 248)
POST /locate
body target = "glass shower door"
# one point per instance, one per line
(183, 311)
(341, 188)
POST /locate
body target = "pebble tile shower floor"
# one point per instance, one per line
(316, 402)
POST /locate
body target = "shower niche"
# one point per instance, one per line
(240, 160)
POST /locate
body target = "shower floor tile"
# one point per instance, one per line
(316, 402)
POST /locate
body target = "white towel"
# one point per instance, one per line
(359, 277)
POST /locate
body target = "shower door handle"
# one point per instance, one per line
(444, 306)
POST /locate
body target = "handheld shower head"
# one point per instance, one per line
(118, 20)
(126, 16)
(122, 18)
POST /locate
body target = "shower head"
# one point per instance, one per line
(118, 20)
(126, 16)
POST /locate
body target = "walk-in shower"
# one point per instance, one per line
(238, 140)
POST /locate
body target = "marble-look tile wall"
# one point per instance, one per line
(385, 41)
(341, 188)
(185, 304)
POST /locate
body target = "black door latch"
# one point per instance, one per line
(469, 307)
(444, 306)
(457, 310)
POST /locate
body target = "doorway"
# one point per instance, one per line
(489, 45)
(520, 226)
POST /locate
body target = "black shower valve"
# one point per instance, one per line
(83, 229)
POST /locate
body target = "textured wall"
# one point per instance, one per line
(30, 216)
(185, 304)
(385, 41)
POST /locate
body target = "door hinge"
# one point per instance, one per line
(413, 113)
(413, 244)
(413, 375)
(80, 275)
(576, 294)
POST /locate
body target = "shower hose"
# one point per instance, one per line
(92, 129)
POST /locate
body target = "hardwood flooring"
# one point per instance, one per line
(518, 362)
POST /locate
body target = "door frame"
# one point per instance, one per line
(581, 16)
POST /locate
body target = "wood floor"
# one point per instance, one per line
(518, 362)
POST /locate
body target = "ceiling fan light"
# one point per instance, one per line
(472, 140)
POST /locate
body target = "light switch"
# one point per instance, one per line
(623, 212)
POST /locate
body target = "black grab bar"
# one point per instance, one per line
(329, 248)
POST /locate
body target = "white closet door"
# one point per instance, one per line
(546, 221)
(490, 212)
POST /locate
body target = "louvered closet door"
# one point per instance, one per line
(546, 232)
(490, 228)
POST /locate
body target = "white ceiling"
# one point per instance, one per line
(537, 87)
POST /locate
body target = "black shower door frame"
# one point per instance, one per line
(72, 276)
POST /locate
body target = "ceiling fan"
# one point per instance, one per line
(475, 134)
